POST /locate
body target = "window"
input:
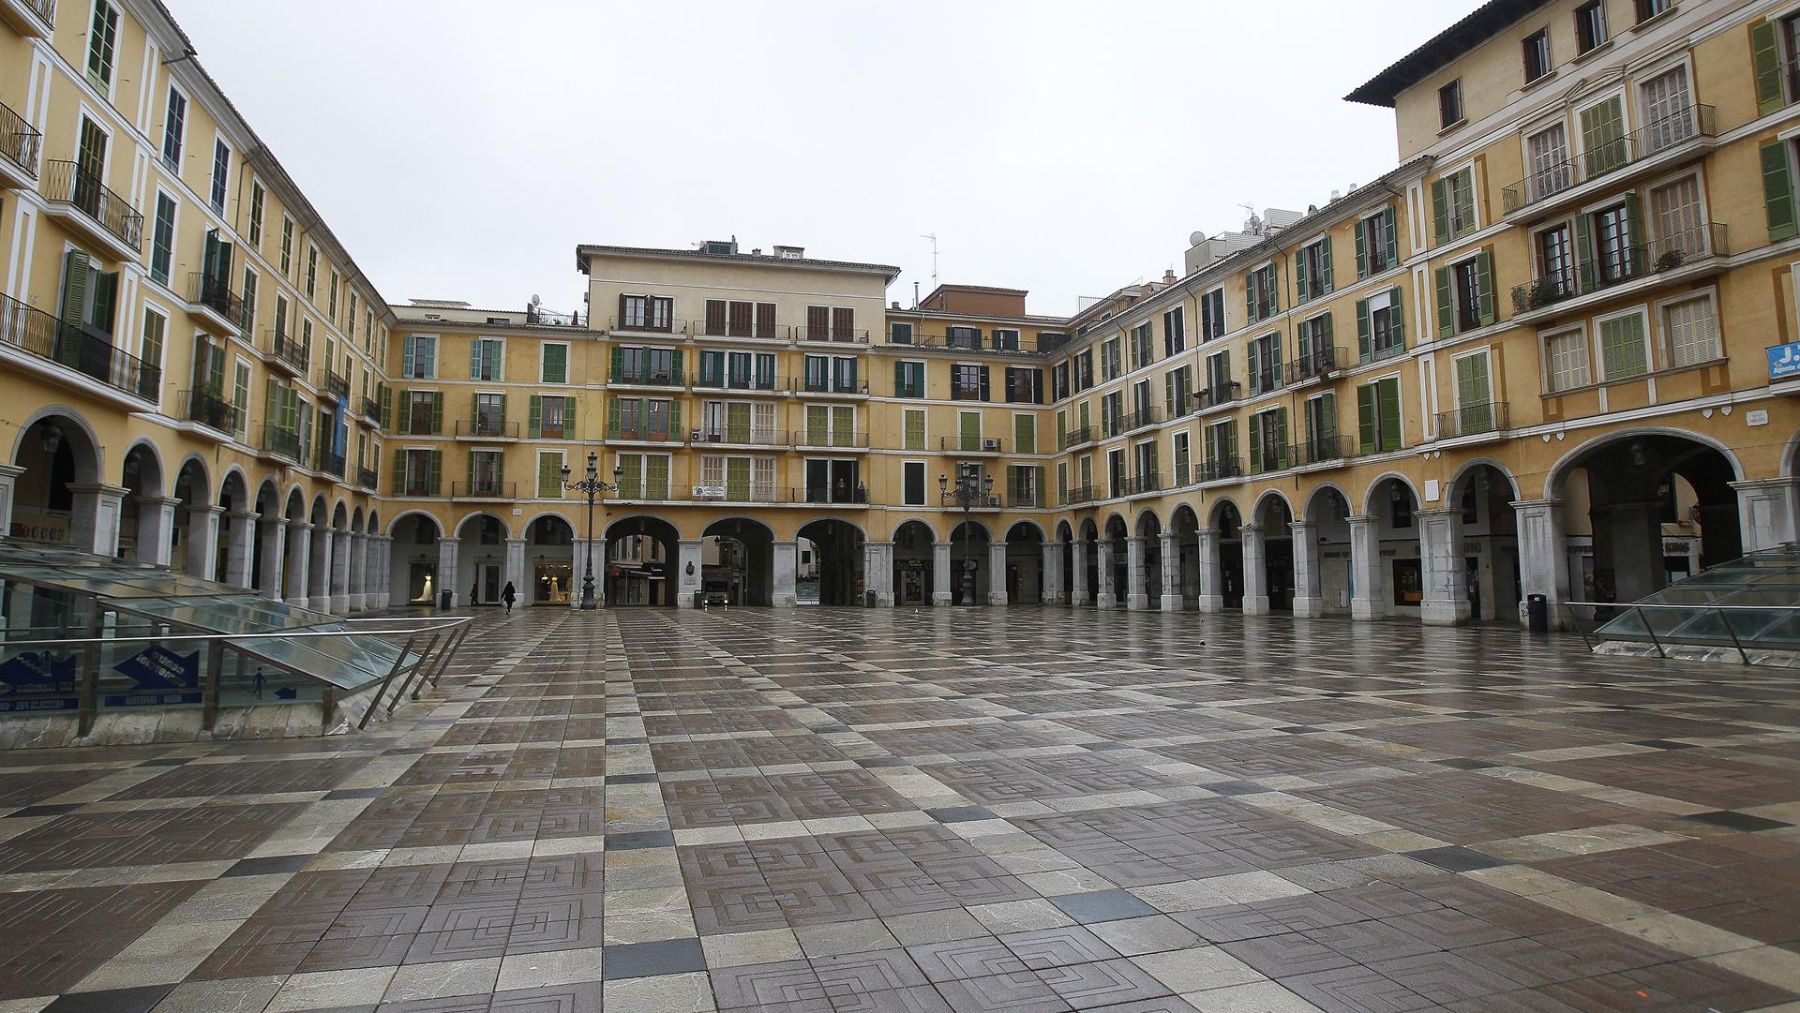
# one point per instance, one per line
(1212, 315)
(1321, 430)
(1474, 395)
(1603, 144)
(1265, 364)
(1690, 331)
(1059, 381)
(1178, 391)
(1378, 415)
(240, 397)
(312, 273)
(1450, 105)
(830, 425)
(913, 428)
(555, 366)
(968, 430)
(1024, 433)
(1590, 25)
(485, 358)
(646, 313)
(1453, 205)
(913, 483)
(424, 412)
(1024, 485)
(1778, 190)
(552, 417)
(221, 174)
(1006, 339)
(1218, 378)
(960, 336)
(1141, 350)
(1112, 414)
(1668, 110)
(1680, 233)
(1615, 242)
(549, 474)
(256, 213)
(1221, 451)
(248, 321)
(1566, 359)
(909, 379)
(287, 244)
(968, 382)
(1775, 58)
(1024, 385)
(1537, 54)
(1110, 363)
(1084, 370)
(1174, 332)
(150, 346)
(1180, 456)
(900, 333)
(420, 473)
(1115, 472)
(174, 129)
(1556, 266)
(162, 238)
(331, 296)
(1149, 475)
(1624, 347)
(1259, 293)
(1647, 9)
(89, 296)
(1312, 270)
(103, 42)
(1268, 440)
(418, 357)
(1140, 404)
(1465, 294)
(1547, 155)
(1315, 353)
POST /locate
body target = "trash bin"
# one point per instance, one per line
(699, 599)
(869, 599)
(444, 599)
(1537, 613)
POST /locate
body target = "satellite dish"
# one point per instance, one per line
(535, 301)
(1196, 238)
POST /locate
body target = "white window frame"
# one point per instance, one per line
(212, 164)
(1711, 297)
(87, 44)
(924, 487)
(478, 339)
(158, 191)
(1474, 201)
(1224, 314)
(1175, 437)
(1578, 141)
(1547, 369)
(1639, 310)
(562, 460)
(1014, 431)
(568, 364)
(181, 141)
(1368, 221)
(925, 429)
(1485, 351)
(436, 347)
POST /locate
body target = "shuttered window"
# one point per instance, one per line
(1624, 350)
(1566, 356)
(1691, 331)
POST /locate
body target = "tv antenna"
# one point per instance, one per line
(934, 257)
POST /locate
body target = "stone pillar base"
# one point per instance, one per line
(1308, 608)
(940, 598)
(358, 602)
(1438, 612)
(1172, 603)
(1106, 601)
(1256, 605)
(340, 604)
(1364, 608)
(1212, 603)
(785, 601)
(299, 603)
(996, 598)
(1137, 602)
(320, 603)
(884, 599)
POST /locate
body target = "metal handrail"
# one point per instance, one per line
(303, 631)
(69, 183)
(1722, 610)
(1685, 124)
(19, 142)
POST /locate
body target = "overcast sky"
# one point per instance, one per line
(462, 148)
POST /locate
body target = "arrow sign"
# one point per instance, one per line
(157, 667)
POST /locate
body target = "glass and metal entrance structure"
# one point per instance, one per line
(1748, 605)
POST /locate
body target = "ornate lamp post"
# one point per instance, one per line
(971, 488)
(592, 486)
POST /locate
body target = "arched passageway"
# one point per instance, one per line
(829, 563)
(1227, 534)
(1184, 531)
(550, 552)
(969, 563)
(147, 515)
(1322, 570)
(1115, 564)
(1389, 577)
(58, 498)
(635, 568)
(914, 547)
(1273, 538)
(1024, 560)
(413, 561)
(1487, 526)
(481, 560)
(1145, 563)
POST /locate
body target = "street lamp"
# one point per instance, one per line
(593, 487)
(971, 488)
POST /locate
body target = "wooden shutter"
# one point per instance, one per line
(1396, 318)
(1440, 211)
(1392, 234)
(1327, 433)
(1446, 303)
(437, 472)
(843, 323)
(765, 319)
(437, 411)
(900, 379)
(1281, 438)
(1256, 456)
(569, 417)
(1024, 434)
(1778, 191)
(1300, 273)
(1325, 264)
(1765, 54)
(1365, 417)
(76, 268)
(741, 324)
(818, 323)
(536, 423)
(387, 407)
(675, 373)
(1362, 248)
(1387, 407)
(622, 318)
(612, 418)
(1484, 284)
(984, 384)
(618, 364)
(399, 471)
(715, 316)
(474, 359)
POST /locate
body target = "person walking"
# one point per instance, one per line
(507, 595)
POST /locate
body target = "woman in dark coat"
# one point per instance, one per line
(507, 595)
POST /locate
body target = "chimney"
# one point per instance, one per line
(1168, 276)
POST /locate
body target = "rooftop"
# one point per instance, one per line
(1444, 47)
(585, 252)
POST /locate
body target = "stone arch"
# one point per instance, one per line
(751, 567)
(1469, 466)
(915, 562)
(554, 562)
(1184, 524)
(1220, 507)
(197, 522)
(1316, 499)
(1023, 577)
(1270, 576)
(1559, 471)
(71, 425)
(1484, 537)
(971, 563)
(413, 548)
(146, 519)
(481, 550)
(829, 554)
(1369, 502)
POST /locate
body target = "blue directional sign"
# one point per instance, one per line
(37, 681)
(159, 677)
(1784, 360)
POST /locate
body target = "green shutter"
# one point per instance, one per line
(612, 418)
(1365, 416)
(675, 362)
(816, 422)
(1281, 437)
(1778, 191)
(899, 379)
(537, 417)
(1484, 284)
(1585, 254)
(1300, 274)
(1393, 237)
(474, 413)
(471, 471)
(631, 472)
(1325, 262)
(399, 471)
(437, 472)
(1327, 420)
(970, 430)
(1387, 407)
(618, 363)
(106, 297)
(1024, 434)
(76, 267)
(1634, 254)
(1249, 299)
(387, 407)
(1765, 53)
(675, 418)
(549, 476)
(656, 477)
(569, 417)
(437, 411)
(1440, 211)
(1362, 249)
(1396, 318)
(1256, 427)
(1446, 304)
(1364, 343)
(475, 359)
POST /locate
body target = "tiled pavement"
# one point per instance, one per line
(847, 810)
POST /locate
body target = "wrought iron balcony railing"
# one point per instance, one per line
(209, 408)
(1606, 157)
(92, 355)
(1474, 420)
(69, 183)
(19, 143)
(1620, 265)
(1322, 450)
(1219, 469)
(1315, 364)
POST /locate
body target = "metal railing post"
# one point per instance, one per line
(1735, 642)
(1652, 631)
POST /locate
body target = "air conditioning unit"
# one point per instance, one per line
(694, 436)
(991, 445)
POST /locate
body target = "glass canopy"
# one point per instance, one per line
(1750, 603)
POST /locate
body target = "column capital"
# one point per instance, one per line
(1766, 483)
(100, 488)
(11, 471)
(205, 508)
(1438, 512)
(1518, 504)
(509, 541)
(238, 515)
(157, 501)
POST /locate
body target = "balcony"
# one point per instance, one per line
(34, 19)
(1028, 499)
(371, 408)
(480, 428)
(280, 443)
(729, 437)
(1143, 485)
(643, 325)
(1079, 495)
(642, 434)
(366, 478)
(767, 384)
(1322, 451)
(484, 488)
(812, 438)
(1136, 420)
(836, 335)
(92, 355)
(83, 202)
(420, 421)
(827, 385)
(1487, 419)
(1218, 395)
(210, 409)
(289, 354)
(212, 302)
(966, 444)
(330, 463)
(1219, 470)
(1078, 436)
(1666, 140)
(336, 385)
(837, 494)
(731, 492)
(1317, 366)
(1266, 381)
(1693, 249)
(740, 330)
(646, 378)
(19, 146)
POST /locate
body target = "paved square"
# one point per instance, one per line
(832, 810)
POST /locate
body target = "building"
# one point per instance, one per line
(1549, 353)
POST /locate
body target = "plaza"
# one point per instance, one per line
(824, 809)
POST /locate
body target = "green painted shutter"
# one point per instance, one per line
(1365, 417)
(915, 429)
(1387, 407)
(1362, 249)
(618, 363)
(816, 422)
(1365, 349)
(387, 407)
(1249, 298)
(970, 423)
(612, 418)
(843, 426)
(399, 472)
(569, 417)
(1256, 428)
(1300, 274)
(631, 476)
(437, 411)
(1484, 284)
(1281, 437)
(900, 379)
(437, 472)
(1397, 318)
(537, 417)
(1327, 421)
(737, 478)
(1325, 264)
(474, 414)
(1765, 53)
(1446, 304)
(76, 268)
(1475, 410)
(408, 347)
(1024, 434)
(1393, 237)
(737, 422)
(471, 471)
(1778, 191)
(656, 477)
(475, 359)
(675, 362)
(1440, 211)
(675, 419)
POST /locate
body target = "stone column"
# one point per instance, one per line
(787, 564)
(1365, 569)
(1212, 571)
(9, 480)
(515, 571)
(996, 592)
(340, 572)
(1104, 595)
(940, 573)
(299, 555)
(1137, 595)
(878, 572)
(359, 571)
(1767, 511)
(320, 583)
(94, 517)
(274, 554)
(1256, 571)
(446, 571)
(1635, 532)
(1441, 551)
(688, 553)
(1543, 556)
(1078, 576)
(1309, 598)
(240, 554)
(1053, 574)
(1170, 546)
(203, 540)
(156, 522)
(384, 571)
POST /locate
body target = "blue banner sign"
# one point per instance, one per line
(38, 681)
(1784, 360)
(159, 677)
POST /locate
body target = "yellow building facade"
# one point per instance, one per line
(1546, 355)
